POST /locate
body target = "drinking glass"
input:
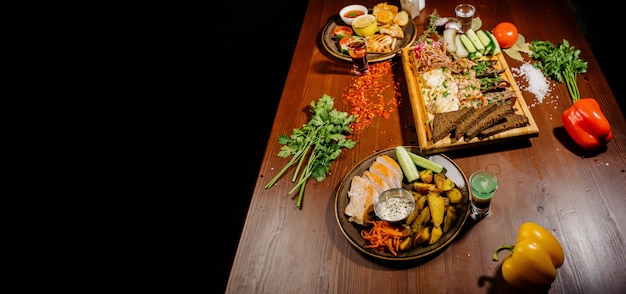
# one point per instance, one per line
(483, 184)
(465, 14)
(357, 48)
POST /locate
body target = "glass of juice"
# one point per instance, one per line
(357, 48)
(483, 184)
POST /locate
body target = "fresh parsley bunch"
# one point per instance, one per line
(559, 62)
(316, 145)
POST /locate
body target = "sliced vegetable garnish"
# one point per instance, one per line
(426, 163)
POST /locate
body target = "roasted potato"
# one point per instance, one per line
(422, 219)
(420, 202)
(435, 234)
(426, 176)
(406, 243)
(449, 219)
(454, 195)
(423, 236)
(437, 206)
(447, 185)
(425, 188)
(439, 179)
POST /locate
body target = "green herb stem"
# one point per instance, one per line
(314, 146)
(429, 28)
(559, 62)
(572, 85)
(275, 179)
(302, 158)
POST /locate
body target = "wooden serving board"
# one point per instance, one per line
(423, 129)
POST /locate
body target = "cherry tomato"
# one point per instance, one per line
(506, 33)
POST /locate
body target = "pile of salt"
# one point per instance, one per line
(535, 80)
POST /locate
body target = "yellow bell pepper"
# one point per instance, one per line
(532, 263)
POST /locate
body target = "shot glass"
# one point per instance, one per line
(483, 184)
(357, 48)
(465, 14)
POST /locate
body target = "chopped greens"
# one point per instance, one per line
(559, 62)
(316, 145)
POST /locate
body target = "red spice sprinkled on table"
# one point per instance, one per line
(365, 96)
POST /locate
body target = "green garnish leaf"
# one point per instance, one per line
(316, 145)
(559, 62)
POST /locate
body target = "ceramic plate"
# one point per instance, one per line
(352, 231)
(332, 46)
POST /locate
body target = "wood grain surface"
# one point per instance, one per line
(578, 195)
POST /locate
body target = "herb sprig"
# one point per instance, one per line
(316, 145)
(559, 62)
(429, 28)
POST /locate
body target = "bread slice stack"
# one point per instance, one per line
(481, 122)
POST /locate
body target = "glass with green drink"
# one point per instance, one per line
(483, 184)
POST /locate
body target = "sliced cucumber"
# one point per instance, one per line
(426, 163)
(475, 41)
(486, 42)
(468, 44)
(497, 50)
(406, 163)
(488, 50)
(483, 38)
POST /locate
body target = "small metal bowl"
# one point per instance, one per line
(394, 205)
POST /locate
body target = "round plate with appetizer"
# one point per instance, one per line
(395, 31)
(441, 195)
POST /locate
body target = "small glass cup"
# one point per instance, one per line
(465, 14)
(357, 48)
(483, 184)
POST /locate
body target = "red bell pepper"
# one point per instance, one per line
(586, 124)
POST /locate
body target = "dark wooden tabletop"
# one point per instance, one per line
(580, 196)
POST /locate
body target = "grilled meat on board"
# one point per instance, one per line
(485, 100)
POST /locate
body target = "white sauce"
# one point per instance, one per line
(394, 209)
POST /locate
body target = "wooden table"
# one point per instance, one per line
(577, 195)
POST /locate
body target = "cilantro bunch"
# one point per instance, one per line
(316, 145)
(559, 62)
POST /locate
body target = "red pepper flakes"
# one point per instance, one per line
(365, 96)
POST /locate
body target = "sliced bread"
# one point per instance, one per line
(488, 120)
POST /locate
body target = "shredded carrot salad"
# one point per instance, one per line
(383, 236)
(365, 96)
